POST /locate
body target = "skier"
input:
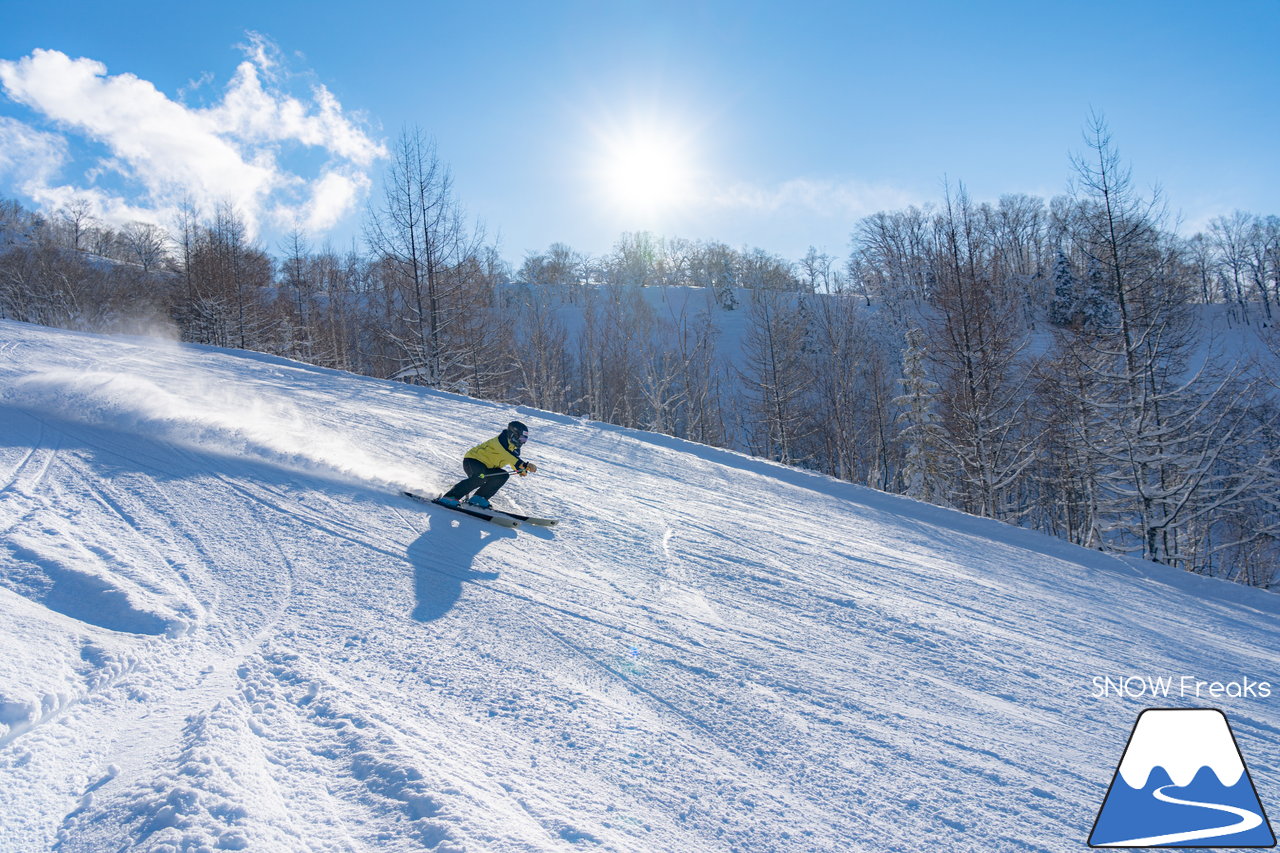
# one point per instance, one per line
(484, 465)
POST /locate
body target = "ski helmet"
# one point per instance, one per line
(519, 432)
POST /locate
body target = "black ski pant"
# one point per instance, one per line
(481, 479)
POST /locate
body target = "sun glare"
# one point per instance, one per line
(645, 170)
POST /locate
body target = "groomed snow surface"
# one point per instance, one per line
(221, 627)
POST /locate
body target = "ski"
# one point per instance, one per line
(486, 515)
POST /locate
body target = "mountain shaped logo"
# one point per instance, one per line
(1182, 782)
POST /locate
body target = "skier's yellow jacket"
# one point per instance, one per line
(495, 453)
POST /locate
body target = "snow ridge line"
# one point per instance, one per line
(171, 806)
(297, 712)
(36, 446)
(55, 705)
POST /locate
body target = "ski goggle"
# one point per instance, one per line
(519, 436)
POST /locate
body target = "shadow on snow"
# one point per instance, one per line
(442, 560)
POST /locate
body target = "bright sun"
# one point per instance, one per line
(645, 170)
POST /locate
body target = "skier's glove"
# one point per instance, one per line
(525, 468)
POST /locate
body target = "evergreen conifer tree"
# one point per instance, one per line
(1066, 306)
(1097, 310)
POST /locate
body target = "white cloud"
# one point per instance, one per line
(254, 113)
(261, 51)
(228, 152)
(29, 156)
(102, 205)
(32, 159)
(332, 196)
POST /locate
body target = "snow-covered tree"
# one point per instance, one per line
(977, 343)
(1140, 356)
(1065, 309)
(1096, 306)
(919, 428)
(777, 376)
(559, 266)
(844, 362)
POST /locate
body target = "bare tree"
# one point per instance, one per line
(542, 364)
(891, 251)
(616, 337)
(977, 344)
(418, 230)
(816, 268)
(1118, 230)
(777, 377)
(678, 378)
(759, 270)
(1229, 236)
(1262, 257)
(559, 267)
(839, 350)
(145, 244)
(636, 260)
(77, 219)
(227, 283)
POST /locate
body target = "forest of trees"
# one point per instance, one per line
(1046, 363)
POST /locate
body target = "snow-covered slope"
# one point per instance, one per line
(221, 626)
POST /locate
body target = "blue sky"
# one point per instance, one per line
(775, 125)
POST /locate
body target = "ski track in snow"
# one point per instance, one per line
(223, 628)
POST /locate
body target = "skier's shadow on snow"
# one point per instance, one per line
(442, 559)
